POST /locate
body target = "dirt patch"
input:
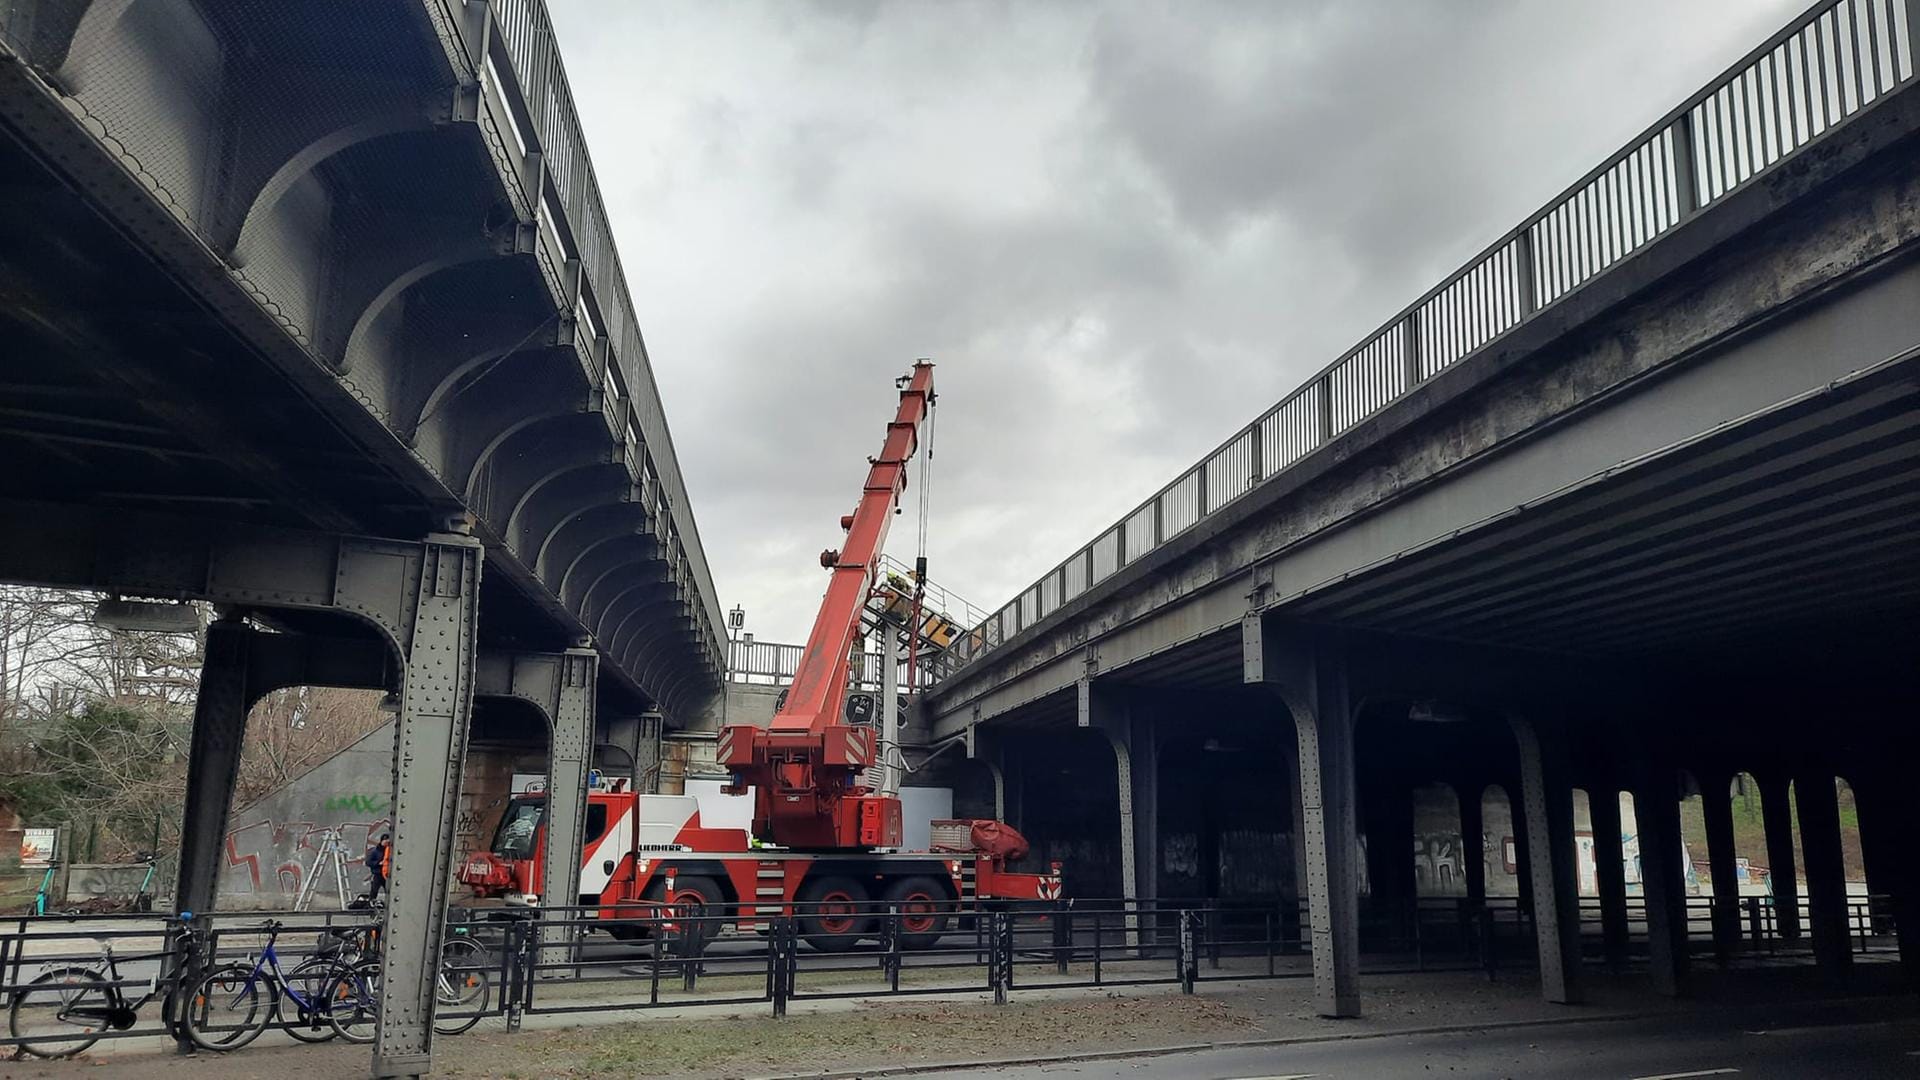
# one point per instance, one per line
(864, 1036)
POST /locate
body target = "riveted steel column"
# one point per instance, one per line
(1097, 710)
(567, 756)
(1827, 911)
(1473, 839)
(213, 763)
(1716, 804)
(1656, 808)
(1328, 806)
(1783, 875)
(430, 747)
(1310, 677)
(1610, 872)
(1553, 876)
(1892, 850)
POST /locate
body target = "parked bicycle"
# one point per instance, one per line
(67, 1008)
(462, 991)
(233, 1003)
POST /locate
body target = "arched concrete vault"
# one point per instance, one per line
(614, 591)
(572, 557)
(530, 454)
(556, 495)
(615, 566)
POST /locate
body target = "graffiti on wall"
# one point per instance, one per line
(1437, 869)
(266, 856)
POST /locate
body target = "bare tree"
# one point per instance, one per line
(95, 723)
(291, 731)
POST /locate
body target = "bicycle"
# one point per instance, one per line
(66, 1009)
(461, 991)
(226, 1011)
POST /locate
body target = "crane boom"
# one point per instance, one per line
(803, 769)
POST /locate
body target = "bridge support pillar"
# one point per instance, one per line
(1610, 872)
(1656, 807)
(1819, 807)
(1888, 834)
(1473, 852)
(430, 750)
(1310, 678)
(561, 687)
(1553, 876)
(1716, 802)
(213, 764)
(1783, 877)
(1131, 734)
(1389, 851)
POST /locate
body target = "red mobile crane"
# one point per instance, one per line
(828, 842)
(804, 769)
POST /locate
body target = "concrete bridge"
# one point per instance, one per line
(1633, 492)
(312, 312)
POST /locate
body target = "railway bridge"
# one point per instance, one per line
(1626, 503)
(312, 312)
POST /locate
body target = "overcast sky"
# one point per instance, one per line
(1120, 229)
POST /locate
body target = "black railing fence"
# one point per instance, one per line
(512, 963)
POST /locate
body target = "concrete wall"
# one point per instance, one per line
(272, 844)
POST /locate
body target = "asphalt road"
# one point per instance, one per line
(1837, 1043)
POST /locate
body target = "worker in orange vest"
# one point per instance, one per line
(379, 863)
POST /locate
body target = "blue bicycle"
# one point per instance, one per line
(232, 1004)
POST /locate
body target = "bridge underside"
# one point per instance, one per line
(313, 315)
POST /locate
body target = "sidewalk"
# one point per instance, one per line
(845, 1038)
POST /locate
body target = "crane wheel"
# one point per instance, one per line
(834, 913)
(692, 896)
(925, 910)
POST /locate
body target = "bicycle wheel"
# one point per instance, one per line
(353, 1001)
(229, 1008)
(305, 998)
(44, 1010)
(461, 993)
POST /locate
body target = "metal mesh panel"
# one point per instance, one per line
(1180, 505)
(1291, 431)
(1232, 469)
(1140, 534)
(1074, 573)
(1106, 554)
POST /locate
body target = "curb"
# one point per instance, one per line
(1188, 1048)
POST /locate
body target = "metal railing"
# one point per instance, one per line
(565, 960)
(572, 215)
(153, 955)
(1829, 64)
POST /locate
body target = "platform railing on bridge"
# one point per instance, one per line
(565, 196)
(1829, 65)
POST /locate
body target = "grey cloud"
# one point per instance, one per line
(1121, 229)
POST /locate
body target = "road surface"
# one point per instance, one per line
(1854, 1041)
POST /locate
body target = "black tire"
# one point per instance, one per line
(36, 1011)
(229, 1008)
(462, 988)
(926, 910)
(353, 1001)
(834, 913)
(695, 896)
(310, 979)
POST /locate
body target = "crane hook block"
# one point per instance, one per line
(829, 558)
